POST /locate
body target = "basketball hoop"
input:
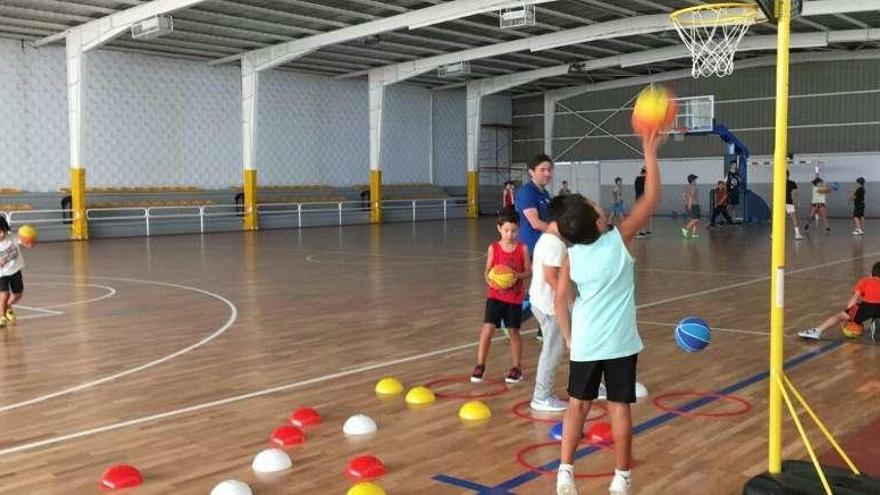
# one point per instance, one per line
(712, 32)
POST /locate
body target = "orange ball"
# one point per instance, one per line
(852, 329)
(655, 110)
(27, 234)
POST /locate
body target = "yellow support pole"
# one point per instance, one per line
(473, 194)
(251, 221)
(375, 196)
(79, 228)
(777, 252)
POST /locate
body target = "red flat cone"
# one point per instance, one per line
(304, 416)
(287, 436)
(600, 433)
(121, 476)
(365, 468)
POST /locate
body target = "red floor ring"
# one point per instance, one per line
(499, 388)
(528, 417)
(520, 458)
(746, 405)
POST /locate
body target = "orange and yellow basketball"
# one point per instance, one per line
(502, 276)
(27, 234)
(655, 110)
(852, 329)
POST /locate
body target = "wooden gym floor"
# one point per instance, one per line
(180, 354)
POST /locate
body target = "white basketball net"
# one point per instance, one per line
(711, 34)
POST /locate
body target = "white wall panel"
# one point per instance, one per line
(450, 138)
(406, 134)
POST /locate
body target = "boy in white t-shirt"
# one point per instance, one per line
(546, 261)
(11, 264)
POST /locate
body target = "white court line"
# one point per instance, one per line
(232, 317)
(320, 379)
(228, 400)
(110, 293)
(690, 272)
(40, 310)
(46, 309)
(714, 328)
(753, 281)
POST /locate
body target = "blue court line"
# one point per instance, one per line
(525, 477)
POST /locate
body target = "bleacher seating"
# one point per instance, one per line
(15, 207)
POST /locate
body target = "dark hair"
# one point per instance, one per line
(643, 171)
(720, 183)
(875, 270)
(539, 159)
(576, 219)
(507, 215)
(816, 181)
(861, 181)
(618, 179)
(4, 225)
(691, 178)
(565, 182)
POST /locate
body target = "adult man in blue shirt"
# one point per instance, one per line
(533, 205)
(533, 202)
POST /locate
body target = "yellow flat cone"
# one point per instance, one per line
(366, 489)
(389, 386)
(420, 395)
(475, 410)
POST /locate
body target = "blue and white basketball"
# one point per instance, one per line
(692, 334)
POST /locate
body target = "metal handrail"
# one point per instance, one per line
(148, 214)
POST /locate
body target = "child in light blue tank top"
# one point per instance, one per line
(601, 332)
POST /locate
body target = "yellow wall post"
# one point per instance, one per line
(251, 221)
(777, 251)
(79, 228)
(375, 196)
(473, 194)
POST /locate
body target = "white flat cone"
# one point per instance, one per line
(232, 487)
(271, 461)
(359, 424)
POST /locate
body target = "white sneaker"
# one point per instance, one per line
(811, 333)
(550, 404)
(620, 485)
(798, 237)
(856, 232)
(565, 484)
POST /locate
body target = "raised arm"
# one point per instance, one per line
(644, 207)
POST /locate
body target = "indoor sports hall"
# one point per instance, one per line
(250, 246)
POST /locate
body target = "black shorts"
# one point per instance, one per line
(859, 210)
(695, 212)
(12, 283)
(620, 379)
(733, 197)
(864, 311)
(500, 310)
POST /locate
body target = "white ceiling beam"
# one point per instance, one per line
(616, 28)
(794, 58)
(276, 55)
(827, 7)
(99, 31)
(752, 43)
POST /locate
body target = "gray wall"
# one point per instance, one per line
(834, 107)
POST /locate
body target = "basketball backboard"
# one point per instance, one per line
(769, 8)
(695, 114)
